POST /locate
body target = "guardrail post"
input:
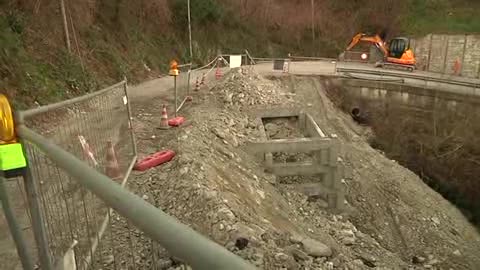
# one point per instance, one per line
(20, 243)
(38, 224)
(129, 111)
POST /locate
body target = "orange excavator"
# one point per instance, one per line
(397, 53)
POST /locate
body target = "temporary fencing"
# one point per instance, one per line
(92, 128)
(80, 154)
(183, 86)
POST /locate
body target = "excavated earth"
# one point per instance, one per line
(392, 219)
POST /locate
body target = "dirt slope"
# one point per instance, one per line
(221, 191)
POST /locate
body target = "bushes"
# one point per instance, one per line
(202, 12)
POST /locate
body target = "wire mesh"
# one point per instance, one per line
(184, 86)
(74, 218)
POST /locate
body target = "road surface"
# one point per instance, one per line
(326, 68)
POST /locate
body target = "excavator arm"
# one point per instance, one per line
(376, 40)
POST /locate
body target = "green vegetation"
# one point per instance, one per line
(111, 39)
(445, 16)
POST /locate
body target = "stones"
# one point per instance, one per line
(281, 257)
(315, 248)
(226, 214)
(347, 237)
(298, 254)
(272, 129)
(435, 220)
(418, 259)
(457, 253)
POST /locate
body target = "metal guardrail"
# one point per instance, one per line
(311, 58)
(409, 76)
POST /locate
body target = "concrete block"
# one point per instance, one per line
(299, 145)
(333, 153)
(298, 168)
(302, 122)
(277, 112)
(268, 160)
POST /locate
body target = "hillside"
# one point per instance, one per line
(113, 38)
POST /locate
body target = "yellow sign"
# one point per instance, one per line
(173, 68)
(7, 129)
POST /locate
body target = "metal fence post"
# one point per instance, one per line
(188, 81)
(175, 89)
(446, 55)
(130, 118)
(20, 243)
(463, 54)
(37, 219)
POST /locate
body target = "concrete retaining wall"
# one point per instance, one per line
(324, 149)
(438, 53)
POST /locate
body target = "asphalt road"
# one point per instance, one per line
(158, 86)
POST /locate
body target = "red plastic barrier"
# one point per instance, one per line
(154, 160)
(177, 121)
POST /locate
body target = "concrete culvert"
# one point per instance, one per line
(359, 116)
(355, 112)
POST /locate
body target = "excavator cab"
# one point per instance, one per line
(398, 46)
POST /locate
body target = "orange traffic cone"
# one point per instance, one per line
(164, 120)
(112, 169)
(218, 73)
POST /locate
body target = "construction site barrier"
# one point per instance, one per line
(97, 129)
(80, 153)
(180, 240)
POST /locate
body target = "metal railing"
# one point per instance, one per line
(78, 210)
(410, 76)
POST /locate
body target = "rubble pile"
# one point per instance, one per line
(248, 90)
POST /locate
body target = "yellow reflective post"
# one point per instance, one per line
(11, 152)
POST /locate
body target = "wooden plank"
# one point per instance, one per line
(297, 168)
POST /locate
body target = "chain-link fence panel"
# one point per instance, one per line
(97, 129)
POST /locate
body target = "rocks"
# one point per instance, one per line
(435, 220)
(457, 253)
(298, 254)
(281, 257)
(315, 248)
(347, 237)
(272, 129)
(418, 259)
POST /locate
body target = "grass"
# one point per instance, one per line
(453, 16)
